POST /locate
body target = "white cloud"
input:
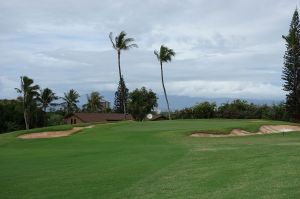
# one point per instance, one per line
(230, 89)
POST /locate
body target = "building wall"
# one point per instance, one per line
(105, 104)
(73, 120)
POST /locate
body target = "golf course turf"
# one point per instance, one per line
(152, 160)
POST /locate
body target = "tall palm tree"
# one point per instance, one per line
(29, 96)
(46, 97)
(293, 45)
(164, 55)
(122, 43)
(70, 99)
(93, 102)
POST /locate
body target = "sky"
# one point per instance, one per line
(225, 49)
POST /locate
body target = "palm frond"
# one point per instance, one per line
(120, 39)
(18, 90)
(35, 87)
(130, 46)
(165, 54)
(157, 54)
(128, 40)
(123, 43)
(111, 39)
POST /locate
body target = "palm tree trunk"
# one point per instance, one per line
(119, 65)
(45, 115)
(24, 107)
(122, 90)
(163, 84)
(26, 119)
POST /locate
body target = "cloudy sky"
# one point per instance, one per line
(227, 49)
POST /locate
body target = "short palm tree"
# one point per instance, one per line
(29, 96)
(122, 43)
(70, 99)
(46, 97)
(164, 55)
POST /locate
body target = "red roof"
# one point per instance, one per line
(100, 117)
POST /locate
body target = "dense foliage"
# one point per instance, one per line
(237, 109)
(121, 97)
(11, 117)
(141, 102)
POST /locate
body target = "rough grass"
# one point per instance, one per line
(152, 160)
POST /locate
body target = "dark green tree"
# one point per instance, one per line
(29, 94)
(291, 75)
(141, 102)
(237, 109)
(11, 117)
(164, 55)
(121, 43)
(70, 102)
(93, 103)
(121, 96)
(204, 110)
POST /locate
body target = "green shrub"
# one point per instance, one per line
(55, 119)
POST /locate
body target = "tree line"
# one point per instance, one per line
(237, 109)
(37, 107)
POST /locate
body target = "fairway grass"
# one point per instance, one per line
(152, 160)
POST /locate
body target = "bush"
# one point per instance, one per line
(204, 110)
(11, 115)
(239, 109)
(55, 119)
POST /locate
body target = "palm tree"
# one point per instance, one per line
(122, 43)
(70, 99)
(164, 55)
(292, 41)
(46, 97)
(29, 96)
(93, 102)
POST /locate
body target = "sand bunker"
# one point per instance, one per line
(52, 134)
(265, 129)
